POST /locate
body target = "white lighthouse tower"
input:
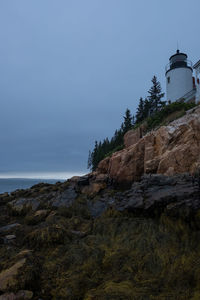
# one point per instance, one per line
(197, 69)
(179, 80)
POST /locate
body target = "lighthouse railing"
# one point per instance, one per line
(189, 96)
(178, 64)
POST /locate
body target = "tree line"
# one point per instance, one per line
(146, 108)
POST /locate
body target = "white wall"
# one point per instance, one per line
(198, 85)
(180, 83)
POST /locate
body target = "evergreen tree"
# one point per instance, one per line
(127, 121)
(95, 155)
(133, 121)
(89, 165)
(140, 111)
(155, 96)
(118, 138)
(147, 107)
(122, 127)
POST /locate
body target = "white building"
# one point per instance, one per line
(197, 69)
(180, 83)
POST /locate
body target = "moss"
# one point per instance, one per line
(120, 256)
(169, 113)
(196, 296)
(65, 212)
(125, 257)
(173, 116)
(36, 217)
(47, 236)
(112, 290)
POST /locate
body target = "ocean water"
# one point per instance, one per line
(12, 184)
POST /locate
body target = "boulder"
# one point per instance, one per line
(22, 204)
(8, 277)
(9, 227)
(84, 180)
(94, 188)
(36, 218)
(42, 213)
(21, 295)
(9, 238)
(65, 198)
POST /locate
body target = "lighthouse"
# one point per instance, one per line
(179, 79)
(197, 69)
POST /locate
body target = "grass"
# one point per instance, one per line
(121, 256)
(125, 257)
(168, 114)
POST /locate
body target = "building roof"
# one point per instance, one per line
(197, 64)
(178, 53)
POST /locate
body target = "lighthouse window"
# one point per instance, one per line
(168, 79)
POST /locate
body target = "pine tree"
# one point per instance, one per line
(118, 138)
(146, 111)
(155, 96)
(122, 127)
(95, 156)
(127, 121)
(146, 108)
(133, 121)
(89, 165)
(140, 111)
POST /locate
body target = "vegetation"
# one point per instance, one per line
(152, 111)
(146, 108)
(107, 147)
(121, 256)
(152, 104)
(160, 117)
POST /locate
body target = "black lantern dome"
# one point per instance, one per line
(178, 60)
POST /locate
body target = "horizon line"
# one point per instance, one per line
(40, 175)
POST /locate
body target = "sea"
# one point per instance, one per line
(12, 184)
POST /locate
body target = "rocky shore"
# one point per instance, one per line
(85, 239)
(130, 230)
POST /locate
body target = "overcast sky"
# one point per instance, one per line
(70, 68)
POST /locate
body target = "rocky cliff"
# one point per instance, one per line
(169, 150)
(86, 239)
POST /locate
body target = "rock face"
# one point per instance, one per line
(132, 137)
(159, 192)
(151, 194)
(88, 240)
(169, 150)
